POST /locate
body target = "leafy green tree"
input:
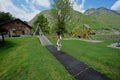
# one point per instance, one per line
(43, 23)
(5, 17)
(61, 10)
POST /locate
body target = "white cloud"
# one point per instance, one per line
(44, 3)
(80, 7)
(72, 1)
(17, 12)
(116, 5)
(30, 16)
(27, 1)
(24, 8)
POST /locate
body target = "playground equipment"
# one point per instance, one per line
(38, 30)
(82, 32)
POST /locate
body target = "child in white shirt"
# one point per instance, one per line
(59, 43)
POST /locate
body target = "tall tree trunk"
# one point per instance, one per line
(3, 40)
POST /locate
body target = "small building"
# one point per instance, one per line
(16, 28)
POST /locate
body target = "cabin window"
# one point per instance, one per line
(17, 22)
(14, 32)
(23, 32)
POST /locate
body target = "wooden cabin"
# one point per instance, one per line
(16, 28)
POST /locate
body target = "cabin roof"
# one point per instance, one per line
(25, 23)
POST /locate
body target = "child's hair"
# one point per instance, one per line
(58, 33)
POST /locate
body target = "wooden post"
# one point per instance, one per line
(3, 40)
(11, 33)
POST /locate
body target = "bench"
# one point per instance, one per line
(54, 36)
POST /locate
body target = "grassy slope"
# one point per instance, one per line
(98, 21)
(111, 20)
(77, 19)
(96, 55)
(26, 59)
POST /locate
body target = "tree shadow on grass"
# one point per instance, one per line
(7, 45)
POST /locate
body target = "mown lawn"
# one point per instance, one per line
(26, 59)
(96, 55)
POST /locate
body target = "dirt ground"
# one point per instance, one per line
(82, 39)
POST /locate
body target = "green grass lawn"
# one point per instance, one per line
(96, 55)
(26, 59)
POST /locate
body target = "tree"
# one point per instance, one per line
(43, 23)
(2, 31)
(4, 17)
(61, 10)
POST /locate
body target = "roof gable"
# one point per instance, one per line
(16, 21)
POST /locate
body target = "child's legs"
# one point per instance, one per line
(58, 48)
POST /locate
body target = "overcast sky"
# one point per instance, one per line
(27, 9)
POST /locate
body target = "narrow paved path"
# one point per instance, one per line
(77, 69)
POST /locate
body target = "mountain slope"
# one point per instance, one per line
(109, 17)
(97, 19)
(118, 11)
(77, 19)
(47, 14)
